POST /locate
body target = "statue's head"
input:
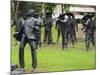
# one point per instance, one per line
(61, 16)
(30, 12)
(18, 13)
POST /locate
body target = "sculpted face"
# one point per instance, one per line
(30, 12)
(18, 13)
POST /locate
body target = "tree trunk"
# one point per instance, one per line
(62, 8)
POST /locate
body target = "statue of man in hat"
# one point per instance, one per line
(28, 36)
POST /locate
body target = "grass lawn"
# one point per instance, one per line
(55, 59)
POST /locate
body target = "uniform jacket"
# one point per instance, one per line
(29, 27)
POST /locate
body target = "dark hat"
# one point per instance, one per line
(70, 14)
(61, 16)
(89, 16)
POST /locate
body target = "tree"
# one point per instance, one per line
(48, 7)
(67, 7)
(23, 7)
(14, 8)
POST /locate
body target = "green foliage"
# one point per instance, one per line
(66, 8)
(49, 7)
(24, 6)
(55, 59)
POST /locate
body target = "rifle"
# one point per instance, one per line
(44, 24)
(59, 17)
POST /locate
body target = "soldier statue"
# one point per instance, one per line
(89, 27)
(28, 36)
(18, 22)
(48, 29)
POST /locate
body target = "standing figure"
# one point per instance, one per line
(48, 29)
(68, 30)
(89, 29)
(62, 21)
(73, 28)
(18, 22)
(58, 28)
(28, 36)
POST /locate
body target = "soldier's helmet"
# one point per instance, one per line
(71, 15)
(30, 12)
(61, 16)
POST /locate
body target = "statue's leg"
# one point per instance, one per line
(58, 35)
(72, 38)
(45, 37)
(50, 37)
(32, 44)
(21, 52)
(87, 41)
